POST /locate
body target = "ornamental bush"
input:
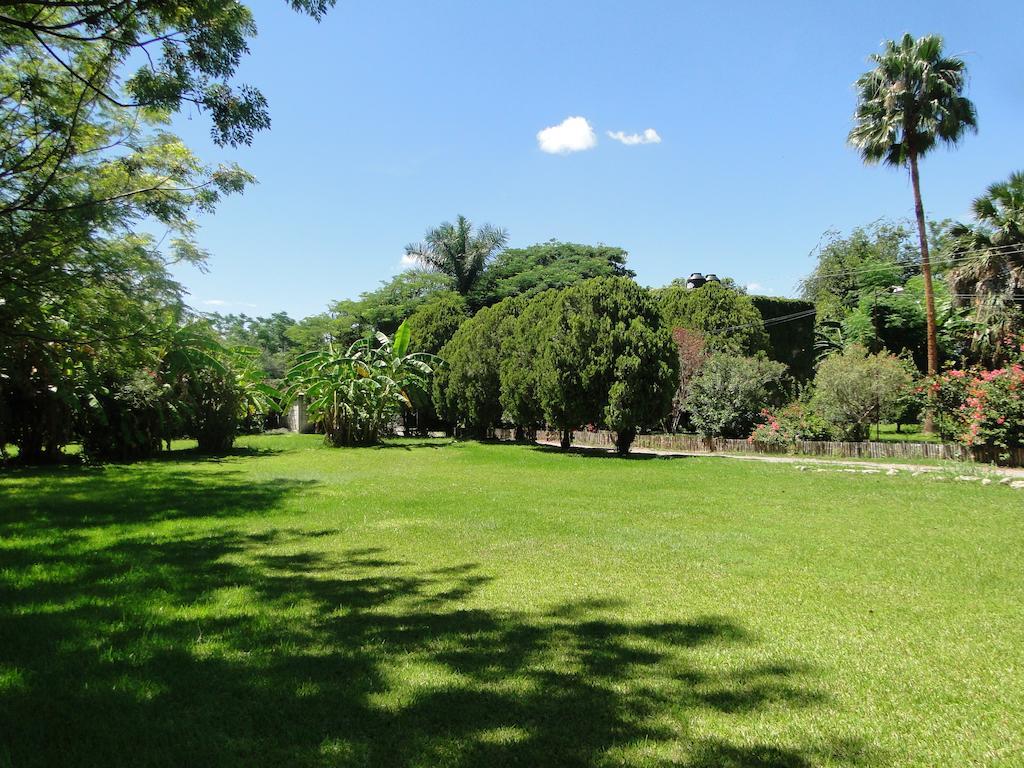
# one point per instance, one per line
(788, 426)
(985, 409)
(730, 391)
(853, 389)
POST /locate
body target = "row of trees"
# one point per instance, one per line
(595, 353)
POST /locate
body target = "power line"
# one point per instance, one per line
(961, 256)
(794, 316)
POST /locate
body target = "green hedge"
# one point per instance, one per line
(792, 341)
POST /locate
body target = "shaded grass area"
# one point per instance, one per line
(461, 604)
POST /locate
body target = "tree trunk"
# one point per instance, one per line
(929, 295)
(566, 442)
(623, 440)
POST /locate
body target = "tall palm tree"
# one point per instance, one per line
(459, 252)
(989, 264)
(911, 101)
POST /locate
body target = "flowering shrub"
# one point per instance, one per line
(786, 427)
(985, 409)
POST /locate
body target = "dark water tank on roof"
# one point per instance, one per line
(712, 278)
(696, 280)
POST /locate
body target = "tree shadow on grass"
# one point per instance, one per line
(60, 500)
(408, 444)
(603, 452)
(234, 649)
(195, 455)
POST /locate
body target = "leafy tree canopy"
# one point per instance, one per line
(537, 268)
(609, 360)
(186, 53)
(467, 389)
(879, 255)
(386, 307)
(269, 335)
(727, 320)
(436, 320)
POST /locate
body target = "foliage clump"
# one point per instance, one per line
(356, 396)
(726, 318)
(730, 391)
(609, 360)
(854, 388)
(519, 372)
(467, 390)
(984, 409)
(786, 427)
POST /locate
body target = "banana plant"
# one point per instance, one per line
(357, 396)
(257, 397)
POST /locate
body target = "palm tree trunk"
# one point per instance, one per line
(929, 294)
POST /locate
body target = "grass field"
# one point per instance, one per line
(436, 604)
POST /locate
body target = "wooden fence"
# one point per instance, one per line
(863, 450)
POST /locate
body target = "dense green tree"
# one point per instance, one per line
(85, 161)
(609, 361)
(537, 268)
(895, 320)
(459, 252)
(386, 307)
(730, 391)
(467, 388)
(877, 256)
(317, 331)
(727, 320)
(436, 320)
(854, 388)
(520, 363)
(908, 103)
(988, 272)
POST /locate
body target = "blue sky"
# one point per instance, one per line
(389, 117)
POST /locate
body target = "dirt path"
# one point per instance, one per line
(1015, 472)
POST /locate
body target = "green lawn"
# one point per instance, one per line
(436, 604)
(909, 433)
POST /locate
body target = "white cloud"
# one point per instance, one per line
(215, 303)
(408, 260)
(650, 136)
(573, 134)
(754, 287)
